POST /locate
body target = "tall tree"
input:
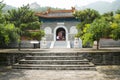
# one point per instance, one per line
(100, 28)
(8, 32)
(109, 16)
(1, 14)
(118, 11)
(86, 16)
(115, 25)
(25, 20)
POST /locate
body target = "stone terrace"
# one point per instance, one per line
(104, 72)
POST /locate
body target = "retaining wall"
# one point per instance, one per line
(98, 58)
(109, 43)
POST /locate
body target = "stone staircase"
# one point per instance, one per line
(55, 61)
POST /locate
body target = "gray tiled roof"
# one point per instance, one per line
(60, 14)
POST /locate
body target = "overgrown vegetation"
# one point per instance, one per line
(94, 26)
(8, 32)
(17, 24)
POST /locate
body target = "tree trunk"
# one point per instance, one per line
(19, 46)
(97, 44)
(39, 44)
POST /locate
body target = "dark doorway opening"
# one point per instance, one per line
(60, 34)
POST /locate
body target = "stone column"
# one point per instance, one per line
(95, 45)
(76, 43)
(43, 43)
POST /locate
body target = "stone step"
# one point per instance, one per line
(56, 54)
(60, 43)
(54, 67)
(55, 61)
(56, 47)
(53, 58)
(61, 62)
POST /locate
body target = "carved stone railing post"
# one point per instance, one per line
(43, 43)
(76, 43)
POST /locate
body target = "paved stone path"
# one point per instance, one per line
(49, 75)
(103, 73)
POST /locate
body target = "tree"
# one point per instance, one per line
(118, 11)
(86, 37)
(25, 20)
(108, 16)
(34, 35)
(2, 20)
(8, 32)
(86, 16)
(115, 34)
(115, 25)
(100, 28)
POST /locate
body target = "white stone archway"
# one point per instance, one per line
(55, 30)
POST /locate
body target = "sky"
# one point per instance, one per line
(53, 3)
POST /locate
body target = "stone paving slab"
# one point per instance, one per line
(102, 73)
(48, 75)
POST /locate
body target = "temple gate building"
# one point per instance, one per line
(59, 25)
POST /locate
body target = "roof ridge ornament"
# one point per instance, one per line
(48, 10)
(73, 9)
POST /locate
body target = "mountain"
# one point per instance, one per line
(37, 8)
(102, 6)
(115, 5)
(34, 5)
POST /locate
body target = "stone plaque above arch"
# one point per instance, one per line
(73, 30)
(60, 24)
(48, 30)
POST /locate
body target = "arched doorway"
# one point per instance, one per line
(60, 28)
(60, 34)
